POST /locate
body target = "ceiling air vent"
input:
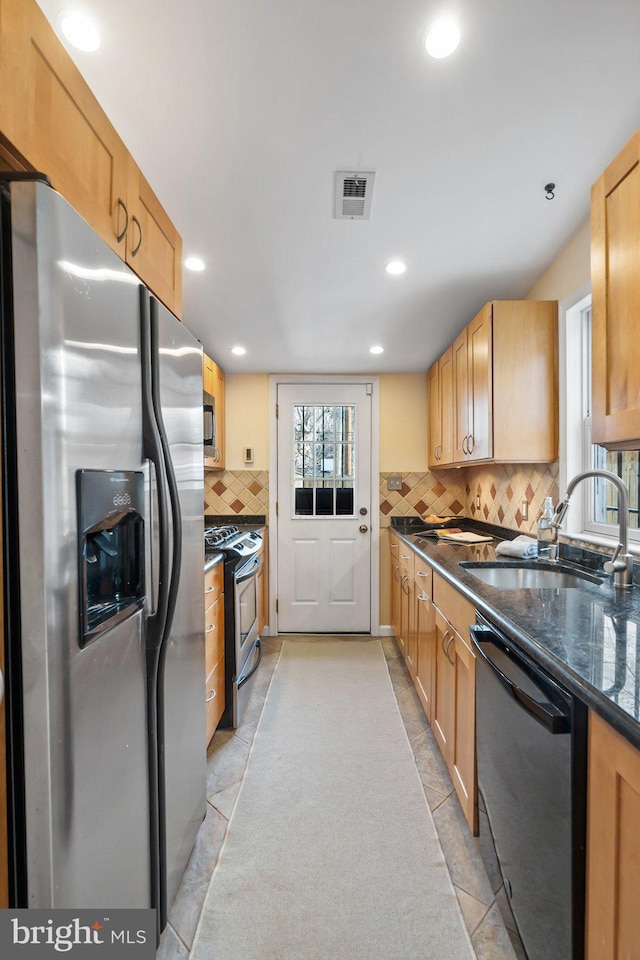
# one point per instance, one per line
(353, 195)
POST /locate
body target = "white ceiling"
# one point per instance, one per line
(239, 112)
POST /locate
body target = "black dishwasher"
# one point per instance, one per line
(531, 736)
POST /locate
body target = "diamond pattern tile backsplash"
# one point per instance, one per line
(236, 491)
(501, 487)
(441, 493)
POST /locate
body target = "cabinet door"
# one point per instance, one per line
(218, 395)
(447, 409)
(426, 650)
(613, 845)
(154, 247)
(411, 640)
(443, 719)
(479, 373)
(51, 117)
(460, 398)
(433, 409)
(615, 278)
(263, 592)
(463, 759)
(396, 591)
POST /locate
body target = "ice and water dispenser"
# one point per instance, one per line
(111, 548)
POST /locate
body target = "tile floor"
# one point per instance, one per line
(481, 897)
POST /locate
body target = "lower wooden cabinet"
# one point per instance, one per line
(263, 587)
(613, 845)
(214, 646)
(431, 621)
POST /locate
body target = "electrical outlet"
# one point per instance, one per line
(478, 501)
(525, 510)
(394, 482)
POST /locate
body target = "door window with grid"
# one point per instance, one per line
(324, 460)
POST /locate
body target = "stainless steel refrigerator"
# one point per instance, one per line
(103, 568)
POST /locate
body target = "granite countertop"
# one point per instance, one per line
(587, 637)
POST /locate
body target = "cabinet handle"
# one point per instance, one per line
(464, 445)
(210, 629)
(446, 652)
(439, 451)
(209, 590)
(422, 597)
(121, 236)
(472, 442)
(396, 574)
(406, 556)
(404, 580)
(211, 696)
(444, 637)
(421, 573)
(139, 243)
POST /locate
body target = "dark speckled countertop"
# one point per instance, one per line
(587, 637)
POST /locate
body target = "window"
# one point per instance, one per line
(323, 460)
(600, 498)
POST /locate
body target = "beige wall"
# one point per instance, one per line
(403, 422)
(570, 270)
(246, 420)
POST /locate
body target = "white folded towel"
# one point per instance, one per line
(523, 547)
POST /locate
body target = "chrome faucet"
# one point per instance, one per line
(622, 568)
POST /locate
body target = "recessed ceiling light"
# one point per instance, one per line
(196, 264)
(396, 267)
(443, 38)
(376, 349)
(80, 31)
(239, 351)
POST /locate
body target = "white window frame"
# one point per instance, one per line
(575, 426)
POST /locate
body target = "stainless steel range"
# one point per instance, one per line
(243, 650)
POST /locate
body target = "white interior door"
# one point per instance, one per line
(324, 508)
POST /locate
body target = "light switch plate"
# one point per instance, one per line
(394, 482)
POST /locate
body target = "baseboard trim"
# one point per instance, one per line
(384, 631)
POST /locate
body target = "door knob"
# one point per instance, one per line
(363, 528)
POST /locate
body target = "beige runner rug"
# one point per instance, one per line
(331, 852)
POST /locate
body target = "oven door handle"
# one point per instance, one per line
(244, 679)
(248, 570)
(546, 714)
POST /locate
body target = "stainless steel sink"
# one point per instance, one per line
(526, 576)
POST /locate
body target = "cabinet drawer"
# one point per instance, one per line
(214, 697)
(213, 584)
(423, 574)
(214, 634)
(458, 611)
(407, 559)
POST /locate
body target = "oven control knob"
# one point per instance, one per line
(363, 528)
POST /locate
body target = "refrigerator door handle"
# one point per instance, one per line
(152, 541)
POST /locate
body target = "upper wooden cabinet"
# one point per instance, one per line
(49, 116)
(472, 372)
(505, 386)
(213, 384)
(615, 279)
(440, 405)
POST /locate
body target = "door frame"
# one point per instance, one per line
(374, 553)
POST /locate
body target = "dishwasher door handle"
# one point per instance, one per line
(549, 716)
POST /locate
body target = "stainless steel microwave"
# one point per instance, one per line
(211, 450)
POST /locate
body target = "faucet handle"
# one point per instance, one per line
(613, 565)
